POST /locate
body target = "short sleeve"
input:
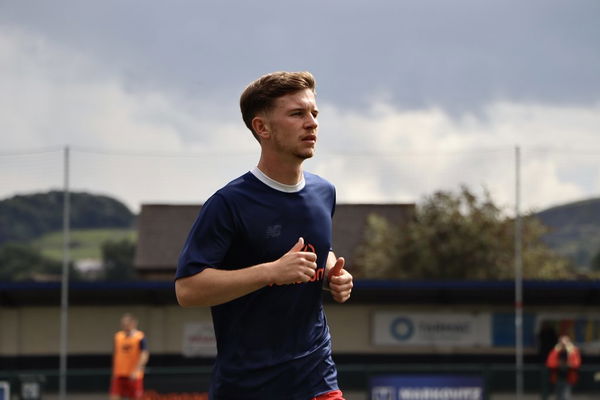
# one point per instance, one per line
(209, 239)
(333, 196)
(143, 344)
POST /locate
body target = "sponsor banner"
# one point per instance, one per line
(504, 332)
(426, 387)
(199, 339)
(4, 391)
(429, 329)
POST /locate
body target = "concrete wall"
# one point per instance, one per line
(35, 330)
(31, 331)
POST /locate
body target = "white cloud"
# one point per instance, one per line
(51, 95)
(407, 154)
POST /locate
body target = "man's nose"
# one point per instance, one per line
(311, 122)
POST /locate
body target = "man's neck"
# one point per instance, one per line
(286, 173)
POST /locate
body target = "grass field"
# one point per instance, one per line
(85, 243)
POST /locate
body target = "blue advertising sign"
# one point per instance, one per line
(426, 387)
(4, 391)
(503, 328)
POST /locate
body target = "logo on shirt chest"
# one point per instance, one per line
(309, 248)
(273, 231)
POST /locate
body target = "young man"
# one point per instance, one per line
(129, 360)
(564, 361)
(260, 255)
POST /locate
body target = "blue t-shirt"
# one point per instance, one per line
(273, 343)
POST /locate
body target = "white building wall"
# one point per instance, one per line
(30, 331)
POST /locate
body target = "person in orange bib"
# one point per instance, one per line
(130, 356)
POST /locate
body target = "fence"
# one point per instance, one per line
(548, 176)
(353, 378)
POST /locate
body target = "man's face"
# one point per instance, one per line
(127, 324)
(293, 125)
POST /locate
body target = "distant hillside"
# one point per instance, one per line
(575, 230)
(85, 243)
(27, 217)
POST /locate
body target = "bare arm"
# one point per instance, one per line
(144, 356)
(216, 286)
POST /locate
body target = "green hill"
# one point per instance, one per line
(574, 230)
(31, 237)
(85, 243)
(24, 218)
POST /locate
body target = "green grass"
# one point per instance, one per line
(85, 243)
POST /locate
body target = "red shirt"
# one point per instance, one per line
(573, 362)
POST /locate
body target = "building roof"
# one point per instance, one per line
(162, 230)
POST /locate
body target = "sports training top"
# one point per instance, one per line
(273, 343)
(127, 352)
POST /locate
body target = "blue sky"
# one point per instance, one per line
(415, 96)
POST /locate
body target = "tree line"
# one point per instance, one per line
(458, 235)
(452, 236)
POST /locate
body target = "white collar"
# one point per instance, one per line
(282, 187)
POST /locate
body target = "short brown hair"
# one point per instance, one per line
(260, 95)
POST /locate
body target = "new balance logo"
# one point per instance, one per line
(273, 231)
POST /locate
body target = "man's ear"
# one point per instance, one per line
(260, 125)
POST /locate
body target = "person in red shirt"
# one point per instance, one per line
(130, 356)
(564, 361)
